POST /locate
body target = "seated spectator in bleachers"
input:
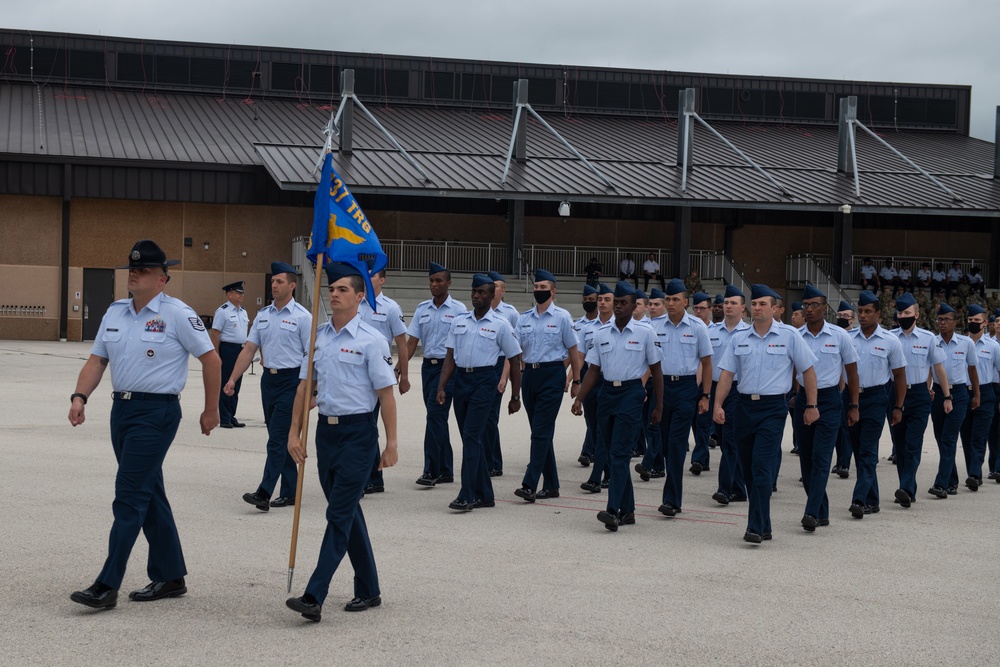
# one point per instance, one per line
(651, 269)
(939, 279)
(905, 277)
(889, 276)
(976, 282)
(593, 271)
(955, 278)
(693, 283)
(626, 271)
(869, 276)
(924, 275)
(993, 301)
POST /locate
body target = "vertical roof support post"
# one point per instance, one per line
(346, 124)
(996, 148)
(847, 155)
(685, 133)
(520, 128)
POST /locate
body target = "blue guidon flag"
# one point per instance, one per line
(341, 232)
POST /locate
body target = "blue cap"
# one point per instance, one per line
(976, 309)
(435, 268)
(542, 274)
(337, 270)
(904, 302)
(639, 294)
(675, 286)
(944, 309)
(480, 279)
(624, 288)
(760, 291)
(844, 306)
(282, 267)
(796, 305)
(234, 287)
(698, 297)
(733, 291)
(810, 292)
(588, 290)
(655, 293)
(604, 289)
(494, 276)
(993, 318)
(866, 298)
(996, 312)
(718, 300)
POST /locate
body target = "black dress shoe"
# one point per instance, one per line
(98, 596)
(892, 458)
(952, 490)
(446, 479)
(636, 453)
(427, 480)
(360, 604)
(823, 522)
(258, 500)
(593, 487)
(306, 606)
(991, 475)
(461, 505)
(858, 509)
(157, 590)
(237, 424)
(752, 537)
(479, 502)
(713, 442)
(628, 519)
(655, 474)
(525, 493)
(369, 489)
(547, 494)
(720, 498)
(795, 450)
(972, 483)
(643, 473)
(938, 492)
(584, 460)
(903, 498)
(696, 468)
(226, 425)
(737, 499)
(496, 473)
(285, 501)
(605, 483)
(872, 509)
(610, 521)
(666, 509)
(766, 537)
(809, 522)
(843, 472)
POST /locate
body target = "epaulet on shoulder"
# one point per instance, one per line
(525, 312)
(370, 330)
(224, 306)
(424, 302)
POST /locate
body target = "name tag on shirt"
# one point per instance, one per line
(688, 339)
(741, 350)
(262, 324)
(460, 328)
(527, 328)
(716, 342)
(425, 318)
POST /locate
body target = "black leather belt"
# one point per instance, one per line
(543, 364)
(282, 371)
(433, 362)
(226, 342)
(346, 419)
(678, 378)
(478, 369)
(621, 383)
(762, 397)
(142, 396)
(871, 388)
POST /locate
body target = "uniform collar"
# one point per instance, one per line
(878, 333)
(774, 328)
(489, 315)
(153, 305)
(290, 306)
(448, 302)
(825, 330)
(351, 327)
(549, 311)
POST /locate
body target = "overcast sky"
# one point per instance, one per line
(904, 41)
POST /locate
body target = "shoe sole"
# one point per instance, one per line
(721, 500)
(263, 508)
(903, 497)
(526, 498)
(375, 602)
(857, 512)
(752, 538)
(809, 523)
(609, 521)
(171, 594)
(292, 603)
(87, 603)
(425, 482)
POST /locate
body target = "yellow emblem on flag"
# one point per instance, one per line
(337, 232)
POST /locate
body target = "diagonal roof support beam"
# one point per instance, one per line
(908, 161)
(846, 145)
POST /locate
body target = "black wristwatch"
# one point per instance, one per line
(898, 407)
(576, 382)
(815, 407)
(853, 406)
(704, 395)
(516, 398)
(82, 397)
(946, 398)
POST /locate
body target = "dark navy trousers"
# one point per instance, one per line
(141, 433)
(679, 408)
(865, 435)
(343, 456)
(946, 430)
(652, 459)
(620, 410)
(994, 439)
(590, 439)
(438, 455)
(229, 352)
(600, 468)
(474, 395)
(731, 480)
(494, 457)
(375, 478)
(908, 434)
(759, 427)
(701, 426)
(817, 443)
(844, 448)
(975, 433)
(277, 394)
(542, 393)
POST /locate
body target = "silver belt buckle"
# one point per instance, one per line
(272, 371)
(674, 378)
(534, 365)
(469, 370)
(125, 395)
(754, 397)
(435, 362)
(332, 421)
(616, 383)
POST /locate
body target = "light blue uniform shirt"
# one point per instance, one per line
(624, 355)
(921, 351)
(833, 350)
(682, 345)
(585, 330)
(282, 335)
(481, 342)
(231, 323)
(987, 360)
(547, 336)
(509, 313)
(959, 354)
(765, 363)
(388, 320)
(430, 325)
(720, 337)
(878, 356)
(351, 366)
(148, 351)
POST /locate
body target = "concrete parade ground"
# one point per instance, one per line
(519, 584)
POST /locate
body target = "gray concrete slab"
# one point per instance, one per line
(518, 584)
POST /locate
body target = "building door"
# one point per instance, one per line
(98, 294)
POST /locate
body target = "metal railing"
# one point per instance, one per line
(826, 262)
(716, 265)
(802, 269)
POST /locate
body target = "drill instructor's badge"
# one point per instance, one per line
(196, 323)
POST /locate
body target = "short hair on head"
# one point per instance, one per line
(357, 283)
(379, 273)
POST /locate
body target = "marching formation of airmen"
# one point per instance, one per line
(643, 371)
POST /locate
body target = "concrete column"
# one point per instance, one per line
(682, 242)
(515, 238)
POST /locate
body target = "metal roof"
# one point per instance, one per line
(464, 151)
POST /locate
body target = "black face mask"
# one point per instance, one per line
(905, 322)
(589, 306)
(542, 295)
(975, 327)
(843, 322)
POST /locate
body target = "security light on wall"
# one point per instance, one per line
(564, 209)
(206, 245)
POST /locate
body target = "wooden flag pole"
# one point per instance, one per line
(306, 407)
